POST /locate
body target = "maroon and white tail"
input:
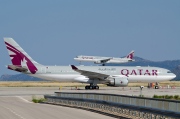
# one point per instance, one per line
(19, 57)
(130, 55)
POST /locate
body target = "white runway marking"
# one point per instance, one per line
(14, 113)
(23, 99)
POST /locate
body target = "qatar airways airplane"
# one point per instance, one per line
(93, 75)
(103, 60)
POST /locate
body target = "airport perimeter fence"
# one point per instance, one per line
(119, 105)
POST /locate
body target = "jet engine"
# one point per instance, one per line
(98, 62)
(118, 82)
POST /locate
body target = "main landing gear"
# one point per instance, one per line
(91, 87)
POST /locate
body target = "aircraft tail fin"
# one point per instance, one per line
(18, 56)
(130, 55)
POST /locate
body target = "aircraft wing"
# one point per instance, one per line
(105, 60)
(17, 68)
(90, 74)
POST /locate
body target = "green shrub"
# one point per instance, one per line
(161, 96)
(35, 100)
(176, 97)
(38, 100)
(166, 96)
(155, 96)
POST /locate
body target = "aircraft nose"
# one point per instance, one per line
(173, 76)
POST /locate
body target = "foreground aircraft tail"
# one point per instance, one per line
(130, 55)
(21, 61)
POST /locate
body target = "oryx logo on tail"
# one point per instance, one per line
(18, 56)
(130, 55)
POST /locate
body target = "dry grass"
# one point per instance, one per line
(58, 84)
(36, 84)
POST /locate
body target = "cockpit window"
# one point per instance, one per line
(169, 72)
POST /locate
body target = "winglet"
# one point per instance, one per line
(74, 67)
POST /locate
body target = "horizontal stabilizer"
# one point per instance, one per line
(18, 68)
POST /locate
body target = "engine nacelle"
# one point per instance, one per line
(118, 82)
(97, 62)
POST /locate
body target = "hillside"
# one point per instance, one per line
(19, 77)
(177, 72)
(168, 64)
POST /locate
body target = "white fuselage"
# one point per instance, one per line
(133, 74)
(113, 76)
(98, 59)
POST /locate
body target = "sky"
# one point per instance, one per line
(53, 32)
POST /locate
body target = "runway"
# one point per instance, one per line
(15, 102)
(19, 108)
(130, 91)
(40, 91)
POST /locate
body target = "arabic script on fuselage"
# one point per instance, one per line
(107, 69)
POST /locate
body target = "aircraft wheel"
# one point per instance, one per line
(93, 87)
(90, 87)
(97, 87)
(86, 87)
